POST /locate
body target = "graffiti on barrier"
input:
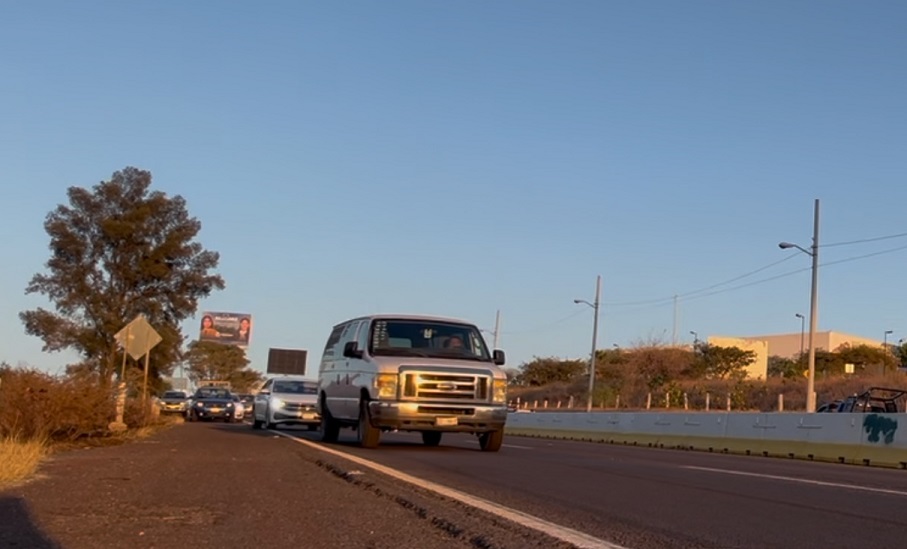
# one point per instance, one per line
(877, 426)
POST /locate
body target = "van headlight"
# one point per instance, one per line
(499, 393)
(386, 385)
(276, 403)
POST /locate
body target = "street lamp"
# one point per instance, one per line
(813, 309)
(885, 339)
(695, 338)
(802, 329)
(595, 306)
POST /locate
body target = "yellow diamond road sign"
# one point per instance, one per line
(138, 337)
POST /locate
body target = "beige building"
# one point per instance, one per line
(759, 368)
(789, 345)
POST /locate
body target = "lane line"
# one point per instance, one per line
(799, 480)
(518, 447)
(556, 531)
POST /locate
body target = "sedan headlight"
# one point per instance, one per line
(386, 384)
(277, 403)
(500, 391)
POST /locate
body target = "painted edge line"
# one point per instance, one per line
(799, 480)
(557, 531)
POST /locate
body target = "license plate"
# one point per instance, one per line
(445, 421)
(215, 410)
(308, 416)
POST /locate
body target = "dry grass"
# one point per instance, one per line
(19, 459)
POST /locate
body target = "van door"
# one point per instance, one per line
(348, 405)
(328, 374)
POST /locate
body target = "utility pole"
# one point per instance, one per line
(813, 316)
(497, 328)
(598, 291)
(674, 332)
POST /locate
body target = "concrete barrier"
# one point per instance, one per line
(865, 439)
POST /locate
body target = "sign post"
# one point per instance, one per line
(137, 339)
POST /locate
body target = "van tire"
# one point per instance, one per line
(431, 438)
(368, 434)
(491, 441)
(330, 427)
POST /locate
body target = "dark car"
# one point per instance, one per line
(212, 403)
(875, 400)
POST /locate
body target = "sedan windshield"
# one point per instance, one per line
(213, 393)
(427, 339)
(296, 387)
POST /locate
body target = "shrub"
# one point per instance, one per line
(35, 405)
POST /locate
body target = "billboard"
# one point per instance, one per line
(287, 361)
(226, 328)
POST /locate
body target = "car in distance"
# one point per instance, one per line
(174, 402)
(211, 403)
(248, 401)
(432, 375)
(286, 400)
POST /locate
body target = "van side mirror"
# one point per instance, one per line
(351, 350)
(499, 357)
(264, 392)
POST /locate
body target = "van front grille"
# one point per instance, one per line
(434, 385)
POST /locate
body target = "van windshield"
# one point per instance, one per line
(427, 338)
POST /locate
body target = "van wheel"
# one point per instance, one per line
(368, 434)
(491, 441)
(330, 427)
(431, 438)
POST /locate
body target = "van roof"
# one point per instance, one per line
(382, 316)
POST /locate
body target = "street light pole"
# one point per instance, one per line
(885, 339)
(595, 307)
(802, 330)
(813, 309)
(695, 338)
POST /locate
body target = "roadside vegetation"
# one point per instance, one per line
(41, 414)
(118, 250)
(663, 376)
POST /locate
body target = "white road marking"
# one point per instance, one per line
(800, 480)
(519, 447)
(556, 531)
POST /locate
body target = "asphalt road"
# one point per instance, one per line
(213, 485)
(205, 485)
(649, 498)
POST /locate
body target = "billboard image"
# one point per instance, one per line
(226, 328)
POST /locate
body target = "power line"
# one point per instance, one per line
(546, 326)
(694, 292)
(863, 240)
(648, 304)
(804, 269)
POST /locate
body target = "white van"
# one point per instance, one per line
(411, 373)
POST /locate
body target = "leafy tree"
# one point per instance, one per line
(658, 366)
(715, 362)
(118, 250)
(542, 371)
(784, 367)
(900, 354)
(210, 361)
(867, 358)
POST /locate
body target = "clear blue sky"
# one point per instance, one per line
(457, 158)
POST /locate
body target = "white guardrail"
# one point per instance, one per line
(864, 439)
